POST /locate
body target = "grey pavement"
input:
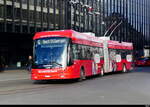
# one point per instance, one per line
(8, 75)
(117, 88)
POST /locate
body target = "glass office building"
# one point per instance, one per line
(123, 20)
(20, 19)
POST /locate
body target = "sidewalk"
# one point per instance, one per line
(9, 75)
(15, 70)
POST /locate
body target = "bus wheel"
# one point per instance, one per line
(82, 75)
(36, 81)
(124, 69)
(39, 81)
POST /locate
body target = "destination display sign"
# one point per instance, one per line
(50, 41)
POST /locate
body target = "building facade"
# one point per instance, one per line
(122, 20)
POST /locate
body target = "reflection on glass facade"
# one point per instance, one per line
(29, 16)
(123, 20)
(98, 16)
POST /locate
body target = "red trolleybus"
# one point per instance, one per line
(118, 56)
(68, 54)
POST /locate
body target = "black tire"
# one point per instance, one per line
(82, 75)
(38, 81)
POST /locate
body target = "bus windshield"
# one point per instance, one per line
(50, 52)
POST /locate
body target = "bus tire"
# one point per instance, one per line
(82, 75)
(38, 81)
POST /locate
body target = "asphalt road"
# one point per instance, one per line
(117, 88)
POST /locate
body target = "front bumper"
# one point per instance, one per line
(69, 74)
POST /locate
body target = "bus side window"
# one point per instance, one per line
(70, 55)
(86, 50)
(123, 54)
(88, 53)
(130, 52)
(118, 51)
(112, 54)
(83, 52)
(80, 52)
(75, 51)
(101, 52)
(92, 53)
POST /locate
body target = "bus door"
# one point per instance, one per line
(106, 57)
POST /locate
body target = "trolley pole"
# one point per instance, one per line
(109, 28)
(113, 29)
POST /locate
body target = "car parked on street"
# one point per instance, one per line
(143, 61)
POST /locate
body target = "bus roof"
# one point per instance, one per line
(83, 38)
(127, 45)
(118, 45)
(45, 34)
(66, 33)
(77, 37)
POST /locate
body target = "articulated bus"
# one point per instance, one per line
(67, 54)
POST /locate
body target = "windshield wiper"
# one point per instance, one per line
(56, 63)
